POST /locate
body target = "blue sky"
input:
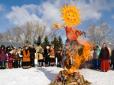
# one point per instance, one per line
(10, 3)
(6, 6)
(17, 12)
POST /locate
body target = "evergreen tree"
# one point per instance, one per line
(55, 42)
(46, 41)
(60, 42)
(39, 41)
(27, 42)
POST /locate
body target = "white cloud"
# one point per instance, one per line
(48, 12)
(89, 9)
(20, 15)
(45, 13)
(88, 12)
(92, 9)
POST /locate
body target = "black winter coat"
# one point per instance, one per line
(112, 56)
(104, 54)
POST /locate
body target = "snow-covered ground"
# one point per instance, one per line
(44, 75)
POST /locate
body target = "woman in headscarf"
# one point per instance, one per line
(104, 58)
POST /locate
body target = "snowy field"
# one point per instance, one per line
(44, 75)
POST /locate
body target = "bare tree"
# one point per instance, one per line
(33, 31)
(1, 36)
(7, 36)
(16, 34)
(99, 34)
(27, 32)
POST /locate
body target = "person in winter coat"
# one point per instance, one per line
(46, 55)
(19, 54)
(9, 61)
(104, 58)
(26, 58)
(39, 55)
(2, 57)
(58, 56)
(112, 59)
(52, 55)
(15, 57)
(8, 49)
(32, 55)
(95, 61)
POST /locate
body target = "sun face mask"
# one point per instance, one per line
(70, 15)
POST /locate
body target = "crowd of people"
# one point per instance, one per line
(29, 56)
(103, 58)
(32, 56)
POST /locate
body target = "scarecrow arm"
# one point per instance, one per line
(58, 26)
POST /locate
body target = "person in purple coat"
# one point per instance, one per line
(2, 57)
(10, 61)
